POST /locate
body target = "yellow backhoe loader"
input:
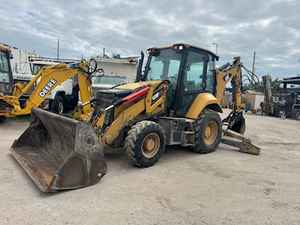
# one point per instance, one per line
(175, 101)
(48, 78)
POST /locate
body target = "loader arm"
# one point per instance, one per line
(46, 81)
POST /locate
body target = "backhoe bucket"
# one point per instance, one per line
(59, 153)
(239, 141)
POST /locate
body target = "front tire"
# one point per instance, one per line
(297, 115)
(208, 132)
(145, 143)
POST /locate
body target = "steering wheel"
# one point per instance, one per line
(92, 66)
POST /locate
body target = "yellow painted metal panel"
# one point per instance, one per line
(199, 104)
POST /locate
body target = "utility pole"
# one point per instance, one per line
(253, 62)
(57, 50)
(103, 55)
(216, 45)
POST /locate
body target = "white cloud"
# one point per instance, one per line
(271, 28)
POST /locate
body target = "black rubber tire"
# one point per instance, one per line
(134, 140)
(297, 115)
(56, 104)
(239, 126)
(200, 145)
(2, 119)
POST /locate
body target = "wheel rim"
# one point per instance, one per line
(60, 108)
(282, 115)
(210, 132)
(150, 145)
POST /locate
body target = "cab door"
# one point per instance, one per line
(6, 79)
(194, 79)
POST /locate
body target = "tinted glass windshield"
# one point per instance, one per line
(4, 68)
(113, 80)
(164, 66)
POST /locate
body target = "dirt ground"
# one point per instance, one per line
(224, 187)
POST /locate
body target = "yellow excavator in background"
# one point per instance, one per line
(175, 101)
(6, 77)
(47, 79)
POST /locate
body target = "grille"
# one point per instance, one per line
(106, 98)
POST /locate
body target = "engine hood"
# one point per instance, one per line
(107, 97)
(137, 85)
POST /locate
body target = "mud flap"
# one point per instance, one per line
(239, 141)
(59, 153)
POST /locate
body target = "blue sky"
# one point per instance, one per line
(271, 28)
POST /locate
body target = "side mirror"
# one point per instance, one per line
(92, 66)
(99, 72)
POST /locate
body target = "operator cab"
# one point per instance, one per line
(6, 79)
(189, 70)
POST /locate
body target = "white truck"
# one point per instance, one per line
(20, 65)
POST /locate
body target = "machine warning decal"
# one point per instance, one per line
(51, 83)
(155, 96)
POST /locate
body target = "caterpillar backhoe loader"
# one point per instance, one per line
(175, 101)
(48, 78)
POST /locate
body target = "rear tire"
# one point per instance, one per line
(208, 132)
(57, 105)
(145, 143)
(2, 119)
(297, 116)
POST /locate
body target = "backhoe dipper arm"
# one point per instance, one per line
(230, 72)
(235, 121)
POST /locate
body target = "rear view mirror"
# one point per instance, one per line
(99, 72)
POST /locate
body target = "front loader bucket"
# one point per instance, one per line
(59, 153)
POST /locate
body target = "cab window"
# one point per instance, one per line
(195, 71)
(210, 77)
(164, 66)
(4, 68)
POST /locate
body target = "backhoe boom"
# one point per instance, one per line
(43, 83)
